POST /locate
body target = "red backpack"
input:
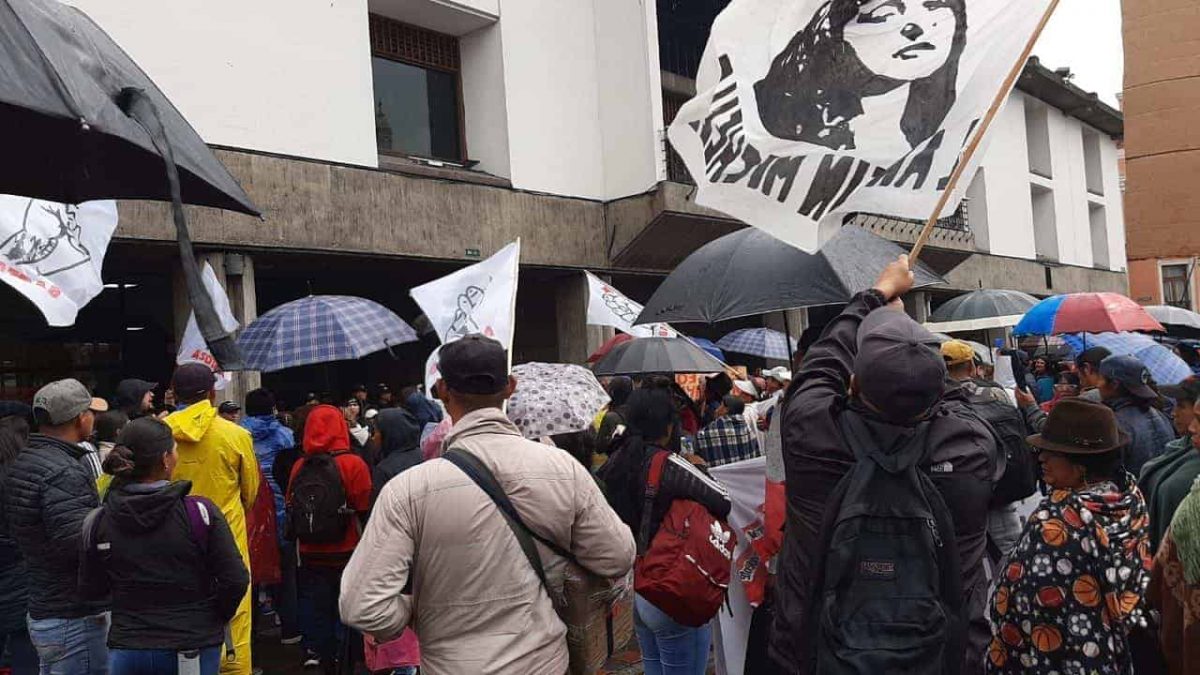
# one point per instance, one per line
(685, 571)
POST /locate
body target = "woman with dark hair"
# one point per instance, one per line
(15, 421)
(170, 562)
(1073, 587)
(650, 420)
(619, 389)
(854, 58)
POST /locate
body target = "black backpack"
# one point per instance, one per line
(888, 592)
(1019, 479)
(316, 510)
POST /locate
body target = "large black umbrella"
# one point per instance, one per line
(84, 122)
(657, 355)
(749, 272)
(983, 309)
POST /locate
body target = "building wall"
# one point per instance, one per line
(273, 75)
(1004, 190)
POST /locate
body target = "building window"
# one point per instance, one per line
(1037, 138)
(1175, 286)
(1098, 221)
(1045, 222)
(416, 75)
(1092, 164)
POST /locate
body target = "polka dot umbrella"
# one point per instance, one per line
(554, 398)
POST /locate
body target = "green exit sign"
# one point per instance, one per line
(473, 253)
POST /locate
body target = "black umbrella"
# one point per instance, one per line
(86, 123)
(749, 272)
(657, 355)
(999, 307)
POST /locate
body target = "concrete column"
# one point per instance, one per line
(235, 271)
(570, 301)
(917, 306)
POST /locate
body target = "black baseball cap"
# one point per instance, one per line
(1130, 373)
(475, 364)
(1093, 356)
(899, 368)
(192, 381)
(228, 407)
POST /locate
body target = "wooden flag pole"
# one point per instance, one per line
(969, 152)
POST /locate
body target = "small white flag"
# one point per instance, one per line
(609, 307)
(193, 348)
(52, 253)
(476, 299)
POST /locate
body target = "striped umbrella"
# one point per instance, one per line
(321, 329)
(1086, 312)
(762, 342)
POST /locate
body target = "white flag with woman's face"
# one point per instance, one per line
(809, 110)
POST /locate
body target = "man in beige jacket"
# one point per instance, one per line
(472, 595)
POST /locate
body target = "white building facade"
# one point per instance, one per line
(390, 141)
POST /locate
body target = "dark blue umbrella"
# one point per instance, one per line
(321, 329)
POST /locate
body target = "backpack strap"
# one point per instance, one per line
(199, 514)
(483, 477)
(654, 473)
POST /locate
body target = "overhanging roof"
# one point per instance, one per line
(1053, 89)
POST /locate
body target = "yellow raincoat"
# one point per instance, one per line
(218, 457)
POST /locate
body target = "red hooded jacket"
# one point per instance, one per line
(325, 431)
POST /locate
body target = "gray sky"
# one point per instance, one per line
(1085, 35)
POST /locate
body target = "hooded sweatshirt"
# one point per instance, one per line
(326, 432)
(1074, 585)
(401, 448)
(169, 591)
(270, 438)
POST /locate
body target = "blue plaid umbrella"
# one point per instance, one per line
(320, 329)
(709, 346)
(1164, 365)
(764, 342)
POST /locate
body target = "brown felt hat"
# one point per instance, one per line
(1079, 427)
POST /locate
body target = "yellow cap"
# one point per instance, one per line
(956, 352)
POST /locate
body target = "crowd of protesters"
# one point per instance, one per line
(928, 520)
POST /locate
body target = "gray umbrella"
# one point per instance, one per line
(657, 355)
(1179, 322)
(84, 122)
(984, 304)
(749, 272)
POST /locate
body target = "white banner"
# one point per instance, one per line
(808, 110)
(193, 348)
(477, 299)
(609, 307)
(52, 253)
(746, 482)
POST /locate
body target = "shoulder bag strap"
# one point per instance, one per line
(483, 477)
(654, 474)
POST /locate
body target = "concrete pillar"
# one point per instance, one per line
(570, 302)
(235, 271)
(917, 306)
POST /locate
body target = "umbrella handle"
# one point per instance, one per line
(388, 346)
(137, 105)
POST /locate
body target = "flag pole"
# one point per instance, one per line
(988, 118)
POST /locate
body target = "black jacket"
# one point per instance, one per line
(168, 592)
(963, 463)
(47, 495)
(14, 591)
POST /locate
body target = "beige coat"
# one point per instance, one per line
(477, 606)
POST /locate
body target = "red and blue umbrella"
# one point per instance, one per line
(1086, 313)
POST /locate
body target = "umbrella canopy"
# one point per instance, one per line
(1086, 313)
(63, 90)
(749, 272)
(709, 346)
(1164, 365)
(604, 349)
(980, 310)
(764, 342)
(554, 398)
(86, 123)
(1178, 321)
(657, 355)
(321, 329)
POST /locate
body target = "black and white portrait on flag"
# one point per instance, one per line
(808, 110)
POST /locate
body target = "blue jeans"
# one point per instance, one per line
(23, 658)
(159, 661)
(669, 648)
(71, 646)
